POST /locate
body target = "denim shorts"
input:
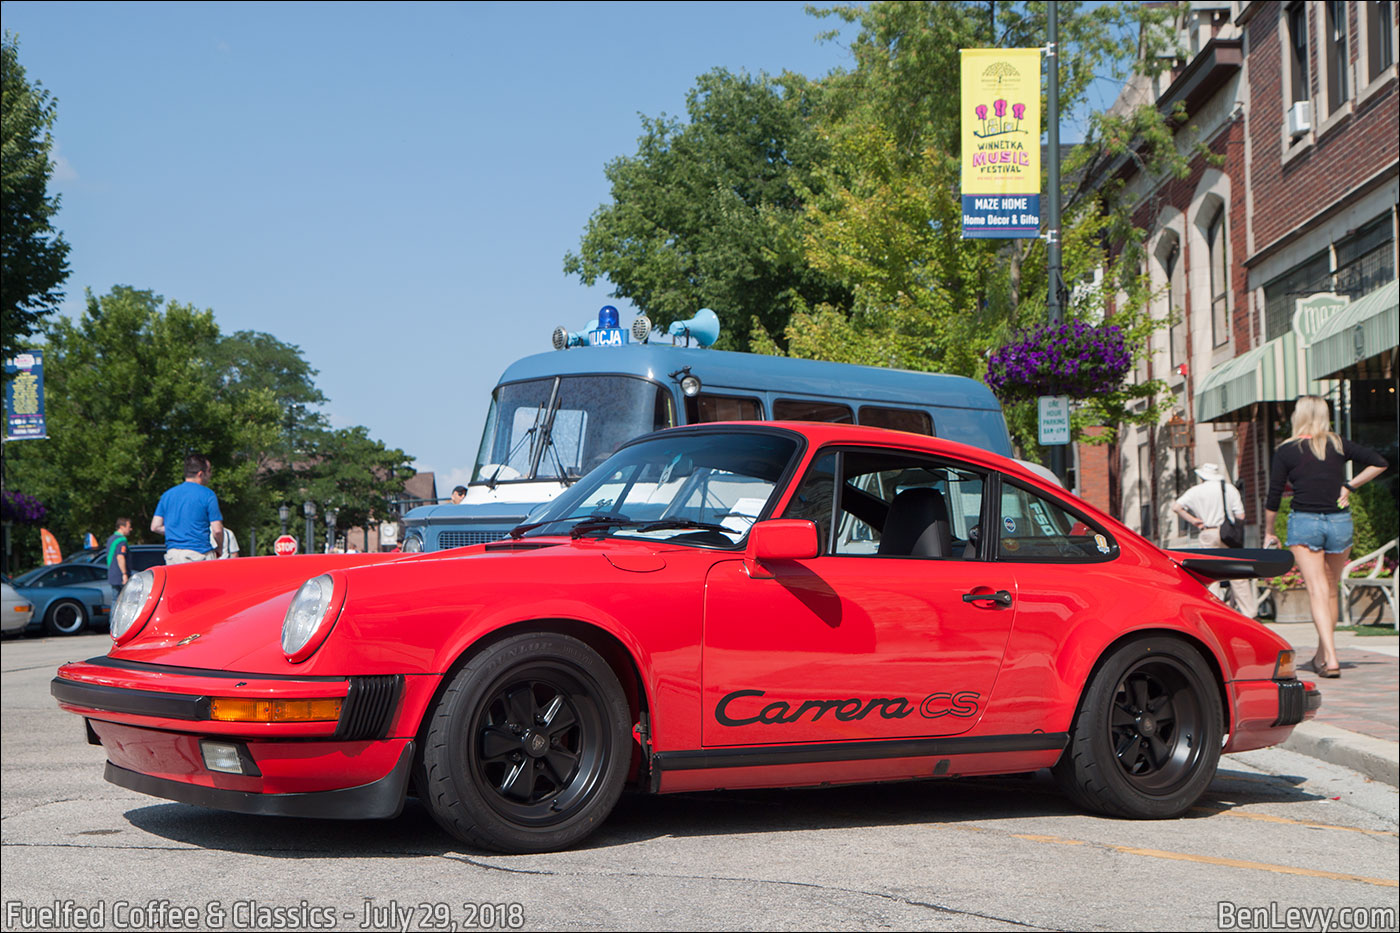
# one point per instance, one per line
(1320, 531)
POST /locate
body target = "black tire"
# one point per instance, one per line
(528, 747)
(1147, 735)
(66, 617)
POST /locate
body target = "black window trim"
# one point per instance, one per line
(1114, 551)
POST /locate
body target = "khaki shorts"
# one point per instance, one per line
(178, 555)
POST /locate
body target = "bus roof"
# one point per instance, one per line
(723, 371)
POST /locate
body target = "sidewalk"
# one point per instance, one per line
(1358, 725)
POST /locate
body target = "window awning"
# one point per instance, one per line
(1367, 327)
(1275, 372)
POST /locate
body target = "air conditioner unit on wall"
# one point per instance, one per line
(1300, 118)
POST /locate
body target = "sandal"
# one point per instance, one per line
(1329, 672)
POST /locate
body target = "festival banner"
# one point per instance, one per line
(1001, 143)
(52, 553)
(24, 396)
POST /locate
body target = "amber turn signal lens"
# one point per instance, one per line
(1284, 669)
(231, 709)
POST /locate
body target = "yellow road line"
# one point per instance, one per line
(1213, 860)
(1268, 818)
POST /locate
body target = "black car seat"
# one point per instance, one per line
(917, 525)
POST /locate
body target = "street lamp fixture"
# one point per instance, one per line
(330, 529)
(284, 513)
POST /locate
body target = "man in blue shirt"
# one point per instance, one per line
(189, 517)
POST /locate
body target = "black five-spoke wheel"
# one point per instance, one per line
(1146, 738)
(528, 747)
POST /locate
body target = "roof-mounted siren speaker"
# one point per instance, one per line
(563, 338)
(641, 328)
(703, 328)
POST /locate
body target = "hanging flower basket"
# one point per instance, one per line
(1073, 358)
(25, 510)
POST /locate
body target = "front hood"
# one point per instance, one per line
(213, 614)
(401, 613)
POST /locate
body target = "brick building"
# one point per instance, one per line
(1275, 258)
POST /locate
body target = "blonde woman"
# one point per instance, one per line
(1313, 461)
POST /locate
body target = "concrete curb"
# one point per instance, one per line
(1375, 758)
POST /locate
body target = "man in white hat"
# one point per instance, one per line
(1204, 505)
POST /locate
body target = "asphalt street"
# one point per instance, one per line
(1276, 830)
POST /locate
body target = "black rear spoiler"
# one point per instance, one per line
(1241, 563)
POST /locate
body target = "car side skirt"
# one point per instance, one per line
(381, 799)
(852, 762)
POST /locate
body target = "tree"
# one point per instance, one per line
(885, 220)
(33, 256)
(134, 386)
(707, 213)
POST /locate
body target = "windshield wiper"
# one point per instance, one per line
(685, 523)
(584, 523)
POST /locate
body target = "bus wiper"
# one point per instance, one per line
(539, 412)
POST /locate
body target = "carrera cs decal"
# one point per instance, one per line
(741, 708)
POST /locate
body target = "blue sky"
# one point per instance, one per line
(390, 187)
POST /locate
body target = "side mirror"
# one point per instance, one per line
(779, 539)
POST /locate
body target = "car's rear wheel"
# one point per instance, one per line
(65, 617)
(1146, 737)
(528, 747)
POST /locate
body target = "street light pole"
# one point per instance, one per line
(309, 509)
(1052, 230)
(330, 529)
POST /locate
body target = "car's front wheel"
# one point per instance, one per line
(65, 617)
(1146, 737)
(529, 745)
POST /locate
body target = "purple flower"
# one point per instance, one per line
(1074, 359)
(17, 507)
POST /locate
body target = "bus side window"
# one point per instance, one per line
(897, 419)
(705, 408)
(786, 409)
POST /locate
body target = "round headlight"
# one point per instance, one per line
(308, 618)
(412, 543)
(133, 605)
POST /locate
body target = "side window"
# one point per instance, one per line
(892, 505)
(707, 408)
(897, 419)
(1034, 527)
(786, 409)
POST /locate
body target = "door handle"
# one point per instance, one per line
(1000, 597)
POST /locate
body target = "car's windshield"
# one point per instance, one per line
(562, 427)
(703, 489)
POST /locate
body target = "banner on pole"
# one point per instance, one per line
(1001, 143)
(24, 396)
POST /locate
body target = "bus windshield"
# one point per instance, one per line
(562, 427)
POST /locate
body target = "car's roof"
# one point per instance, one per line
(824, 433)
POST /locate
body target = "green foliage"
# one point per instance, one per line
(133, 387)
(1374, 518)
(33, 256)
(706, 213)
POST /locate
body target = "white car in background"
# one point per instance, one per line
(14, 611)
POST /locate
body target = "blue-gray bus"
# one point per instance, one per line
(555, 416)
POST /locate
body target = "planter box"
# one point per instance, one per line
(1368, 607)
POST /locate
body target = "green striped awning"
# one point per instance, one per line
(1365, 328)
(1275, 372)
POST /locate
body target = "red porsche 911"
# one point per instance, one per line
(723, 606)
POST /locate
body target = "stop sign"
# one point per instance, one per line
(284, 545)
